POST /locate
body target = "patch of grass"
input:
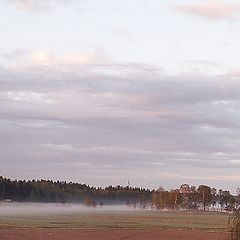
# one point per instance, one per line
(122, 219)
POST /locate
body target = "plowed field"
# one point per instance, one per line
(103, 234)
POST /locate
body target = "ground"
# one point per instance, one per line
(115, 225)
(113, 234)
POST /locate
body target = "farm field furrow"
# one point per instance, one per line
(113, 234)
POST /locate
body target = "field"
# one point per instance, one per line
(114, 234)
(110, 224)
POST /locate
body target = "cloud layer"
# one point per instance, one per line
(212, 10)
(106, 123)
(37, 6)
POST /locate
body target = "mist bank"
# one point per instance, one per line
(38, 209)
(186, 197)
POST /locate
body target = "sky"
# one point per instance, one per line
(106, 91)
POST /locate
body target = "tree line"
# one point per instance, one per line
(185, 197)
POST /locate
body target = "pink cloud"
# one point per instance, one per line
(30, 6)
(212, 10)
(37, 6)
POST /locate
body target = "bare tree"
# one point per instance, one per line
(234, 225)
(238, 196)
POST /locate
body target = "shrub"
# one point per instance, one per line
(234, 225)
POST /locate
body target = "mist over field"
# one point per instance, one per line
(37, 209)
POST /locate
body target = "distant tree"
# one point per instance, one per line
(226, 200)
(214, 197)
(189, 196)
(143, 201)
(185, 191)
(205, 195)
(90, 202)
(174, 199)
(186, 197)
(158, 199)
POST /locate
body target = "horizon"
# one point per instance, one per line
(106, 92)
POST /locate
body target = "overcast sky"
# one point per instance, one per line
(106, 91)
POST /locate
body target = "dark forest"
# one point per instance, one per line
(186, 197)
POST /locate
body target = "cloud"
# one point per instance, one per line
(232, 178)
(31, 6)
(37, 6)
(128, 119)
(43, 57)
(211, 10)
(16, 53)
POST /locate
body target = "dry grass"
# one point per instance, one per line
(121, 220)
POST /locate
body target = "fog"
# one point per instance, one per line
(16, 208)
